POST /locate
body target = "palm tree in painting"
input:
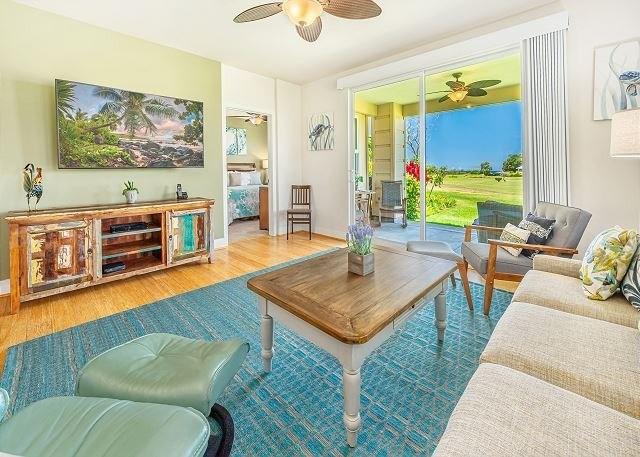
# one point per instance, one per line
(65, 96)
(133, 109)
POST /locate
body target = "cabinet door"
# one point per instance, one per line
(57, 255)
(188, 234)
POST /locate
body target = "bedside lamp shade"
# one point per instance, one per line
(265, 164)
(625, 134)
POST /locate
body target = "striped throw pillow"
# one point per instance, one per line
(514, 234)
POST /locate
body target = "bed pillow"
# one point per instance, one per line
(606, 262)
(631, 282)
(255, 178)
(541, 231)
(514, 234)
(235, 179)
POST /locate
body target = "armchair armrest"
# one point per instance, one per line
(553, 250)
(479, 228)
(557, 265)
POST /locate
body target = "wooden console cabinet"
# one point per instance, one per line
(60, 250)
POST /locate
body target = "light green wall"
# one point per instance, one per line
(37, 47)
(257, 142)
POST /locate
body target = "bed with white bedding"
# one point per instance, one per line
(243, 192)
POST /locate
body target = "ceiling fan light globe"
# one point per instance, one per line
(458, 95)
(302, 12)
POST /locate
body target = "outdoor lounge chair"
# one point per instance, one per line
(393, 201)
(496, 214)
(493, 263)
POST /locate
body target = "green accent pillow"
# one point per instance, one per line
(606, 262)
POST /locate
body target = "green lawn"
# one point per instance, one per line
(467, 190)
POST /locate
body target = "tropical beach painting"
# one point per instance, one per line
(616, 79)
(103, 127)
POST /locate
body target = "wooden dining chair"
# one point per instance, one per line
(300, 211)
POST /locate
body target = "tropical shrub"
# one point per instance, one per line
(413, 197)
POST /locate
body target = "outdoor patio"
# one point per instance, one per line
(394, 232)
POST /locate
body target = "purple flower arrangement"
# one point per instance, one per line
(359, 238)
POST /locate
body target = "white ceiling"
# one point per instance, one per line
(271, 47)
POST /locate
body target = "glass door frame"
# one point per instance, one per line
(352, 168)
(422, 75)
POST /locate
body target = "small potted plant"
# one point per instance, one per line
(359, 239)
(130, 192)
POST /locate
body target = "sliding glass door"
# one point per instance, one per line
(444, 150)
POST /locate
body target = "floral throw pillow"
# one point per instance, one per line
(514, 234)
(606, 262)
(631, 283)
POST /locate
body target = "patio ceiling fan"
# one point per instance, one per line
(254, 118)
(305, 14)
(460, 90)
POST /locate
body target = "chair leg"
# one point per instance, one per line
(309, 228)
(223, 418)
(463, 267)
(452, 277)
(490, 278)
(288, 220)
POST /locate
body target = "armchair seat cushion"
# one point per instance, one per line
(564, 293)
(164, 368)
(507, 413)
(80, 426)
(477, 254)
(595, 359)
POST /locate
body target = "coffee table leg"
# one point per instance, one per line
(266, 331)
(351, 418)
(441, 313)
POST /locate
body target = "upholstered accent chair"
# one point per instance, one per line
(393, 201)
(493, 263)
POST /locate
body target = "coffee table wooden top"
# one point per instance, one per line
(352, 308)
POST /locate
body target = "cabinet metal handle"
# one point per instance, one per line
(90, 251)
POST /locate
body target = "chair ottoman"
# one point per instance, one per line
(78, 426)
(442, 250)
(167, 369)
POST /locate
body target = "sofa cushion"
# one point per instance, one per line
(565, 294)
(606, 262)
(592, 358)
(507, 413)
(79, 426)
(164, 368)
(477, 254)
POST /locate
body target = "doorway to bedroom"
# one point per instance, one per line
(247, 154)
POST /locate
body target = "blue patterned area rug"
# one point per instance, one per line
(409, 386)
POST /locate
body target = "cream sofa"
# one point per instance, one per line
(559, 376)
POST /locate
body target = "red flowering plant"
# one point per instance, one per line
(433, 176)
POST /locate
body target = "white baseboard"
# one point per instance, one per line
(330, 232)
(4, 287)
(220, 243)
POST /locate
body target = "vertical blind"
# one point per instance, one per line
(544, 79)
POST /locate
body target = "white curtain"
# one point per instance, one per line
(544, 79)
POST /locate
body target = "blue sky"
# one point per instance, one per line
(462, 139)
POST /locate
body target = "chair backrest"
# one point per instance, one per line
(570, 223)
(391, 193)
(301, 196)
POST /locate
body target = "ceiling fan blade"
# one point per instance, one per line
(455, 85)
(311, 32)
(443, 99)
(259, 12)
(484, 83)
(475, 92)
(352, 9)
(439, 92)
